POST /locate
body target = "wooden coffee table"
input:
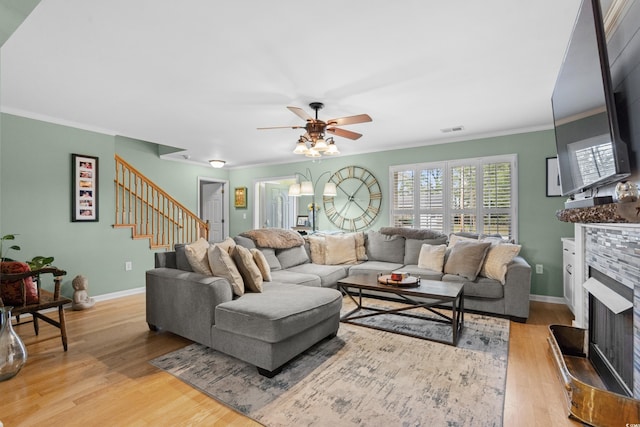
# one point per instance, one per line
(433, 291)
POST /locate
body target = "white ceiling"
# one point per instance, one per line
(202, 75)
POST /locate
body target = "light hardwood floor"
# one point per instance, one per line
(104, 378)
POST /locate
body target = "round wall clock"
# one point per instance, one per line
(358, 199)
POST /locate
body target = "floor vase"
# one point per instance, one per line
(13, 353)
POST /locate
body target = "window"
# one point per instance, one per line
(477, 195)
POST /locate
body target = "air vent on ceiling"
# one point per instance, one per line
(453, 129)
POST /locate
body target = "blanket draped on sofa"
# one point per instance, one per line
(275, 238)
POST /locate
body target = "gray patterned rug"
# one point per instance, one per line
(365, 377)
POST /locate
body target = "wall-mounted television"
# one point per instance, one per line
(590, 151)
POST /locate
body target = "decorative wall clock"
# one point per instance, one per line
(358, 199)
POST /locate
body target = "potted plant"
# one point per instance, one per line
(14, 247)
(36, 263)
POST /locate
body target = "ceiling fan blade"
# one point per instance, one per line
(282, 127)
(344, 133)
(301, 113)
(350, 120)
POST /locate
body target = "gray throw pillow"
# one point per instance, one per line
(466, 258)
(292, 256)
(382, 247)
(272, 259)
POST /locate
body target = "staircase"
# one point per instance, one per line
(151, 213)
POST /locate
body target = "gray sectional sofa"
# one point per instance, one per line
(268, 329)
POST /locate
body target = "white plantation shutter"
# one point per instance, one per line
(476, 195)
(431, 198)
(403, 198)
(496, 198)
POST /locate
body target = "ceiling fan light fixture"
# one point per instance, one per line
(301, 147)
(312, 152)
(217, 163)
(320, 144)
(332, 149)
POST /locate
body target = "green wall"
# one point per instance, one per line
(538, 230)
(35, 188)
(36, 197)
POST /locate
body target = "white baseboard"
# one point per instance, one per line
(545, 298)
(120, 294)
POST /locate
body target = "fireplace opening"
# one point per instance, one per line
(611, 336)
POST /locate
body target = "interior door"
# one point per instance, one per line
(212, 209)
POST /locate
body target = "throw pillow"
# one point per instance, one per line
(341, 249)
(466, 258)
(432, 257)
(454, 238)
(292, 256)
(317, 247)
(261, 262)
(227, 244)
(248, 268)
(382, 247)
(361, 250)
(412, 248)
(498, 257)
(11, 292)
(223, 266)
(272, 259)
(197, 256)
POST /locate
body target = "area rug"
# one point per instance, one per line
(365, 377)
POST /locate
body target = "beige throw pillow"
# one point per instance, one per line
(466, 258)
(341, 249)
(223, 266)
(318, 249)
(227, 244)
(361, 250)
(262, 263)
(432, 257)
(248, 268)
(196, 253)
(497, 260)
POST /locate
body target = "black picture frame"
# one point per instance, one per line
(84, 184)
(553, 178)
(302, 221)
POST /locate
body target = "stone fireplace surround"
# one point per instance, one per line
(613, 249)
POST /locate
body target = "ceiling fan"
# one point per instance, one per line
(316, 128)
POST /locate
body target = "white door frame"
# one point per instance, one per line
(225, 198)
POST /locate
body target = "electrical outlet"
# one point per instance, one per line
(128, 266)
(539, 269)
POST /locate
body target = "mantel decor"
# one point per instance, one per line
(240, 197)
(85, 188)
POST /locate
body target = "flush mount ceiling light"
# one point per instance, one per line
(217, 163)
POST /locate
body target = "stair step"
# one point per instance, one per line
(152, 246)
(142, 236)
(123, 225)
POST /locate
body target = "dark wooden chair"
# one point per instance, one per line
(46, 299)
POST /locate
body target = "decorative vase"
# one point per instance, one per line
(13, 353)
(626, 192)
